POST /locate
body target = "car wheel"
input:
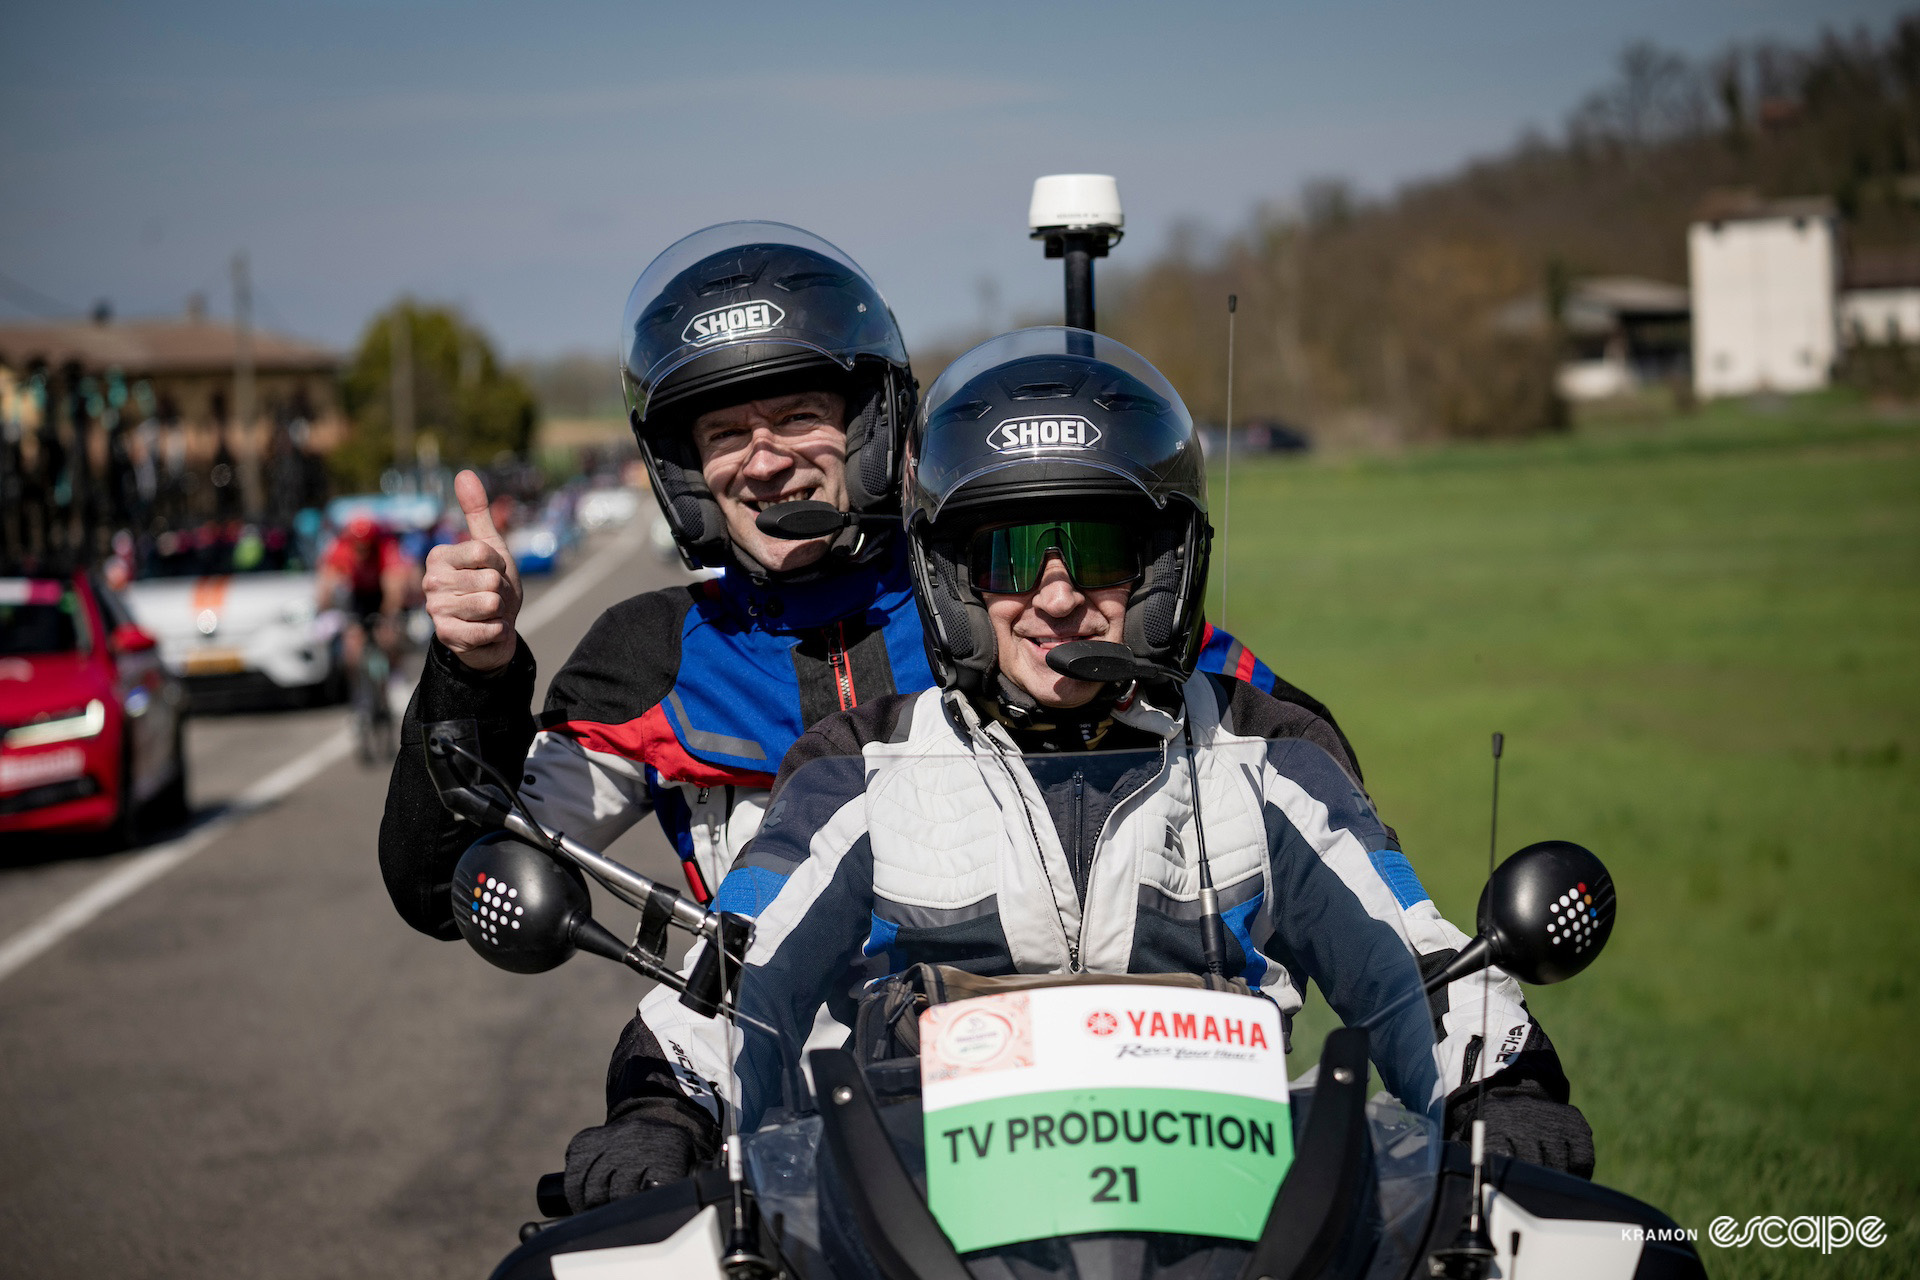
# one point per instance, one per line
(125, 832)
(170, 808)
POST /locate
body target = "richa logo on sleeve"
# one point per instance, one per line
(1058, 432)
(732, 322)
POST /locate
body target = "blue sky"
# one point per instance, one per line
(525, 161)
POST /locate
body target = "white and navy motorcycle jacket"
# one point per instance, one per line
(680, 703)
(911, 830)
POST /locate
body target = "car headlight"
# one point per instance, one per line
(84, 722)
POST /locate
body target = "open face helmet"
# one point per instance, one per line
(1046, 441)
(748, 310)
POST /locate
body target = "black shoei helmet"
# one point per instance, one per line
(741, 311)
(1063, 424)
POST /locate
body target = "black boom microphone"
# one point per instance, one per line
(799, 521)
(1104, 662)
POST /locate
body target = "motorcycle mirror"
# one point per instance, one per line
(1549, 909)
(521, 910)
(1544, 915)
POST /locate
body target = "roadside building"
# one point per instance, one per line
(1618, 334)
(1623, 334)
(162, 421)
(1880, 298)
(1765, 277)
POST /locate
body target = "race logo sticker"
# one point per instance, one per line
(1059, 432)
(992, 1033)
(732, 322)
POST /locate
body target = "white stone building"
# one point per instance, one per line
(1765, 287)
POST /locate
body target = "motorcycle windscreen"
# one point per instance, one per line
(1064, 1091)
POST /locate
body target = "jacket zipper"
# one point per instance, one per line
(1099, 838)
(1079, 833)
(842, 665)
(1070, 941)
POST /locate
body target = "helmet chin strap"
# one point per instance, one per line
(1014, 707)
(851, 546)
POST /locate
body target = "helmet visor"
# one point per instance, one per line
(758, 294)
(1010, 560)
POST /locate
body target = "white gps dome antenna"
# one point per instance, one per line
(1079, 217)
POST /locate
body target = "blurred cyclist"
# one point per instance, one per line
(366, 573)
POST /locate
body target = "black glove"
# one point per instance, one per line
(628, 1156)
(1524, 1123)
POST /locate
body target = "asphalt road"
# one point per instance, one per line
(248, 1066)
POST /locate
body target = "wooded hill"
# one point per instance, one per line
(1371, 319)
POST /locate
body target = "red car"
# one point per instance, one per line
(91, 724)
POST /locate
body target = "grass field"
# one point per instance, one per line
(1702, 640)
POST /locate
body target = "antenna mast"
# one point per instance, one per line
(1226, 501)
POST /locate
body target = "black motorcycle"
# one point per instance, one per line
(834, 1183)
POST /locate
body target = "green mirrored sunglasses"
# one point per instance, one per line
(1010, 560)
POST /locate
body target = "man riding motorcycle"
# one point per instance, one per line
(761, 366)
(1055, 493)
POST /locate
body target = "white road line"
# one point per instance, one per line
(150, 864)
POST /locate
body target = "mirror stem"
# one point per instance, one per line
(1469, 960)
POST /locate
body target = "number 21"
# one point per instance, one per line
(1105, 1194)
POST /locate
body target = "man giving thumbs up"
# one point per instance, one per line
(472, 588)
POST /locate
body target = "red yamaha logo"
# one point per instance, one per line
(1102, 1023)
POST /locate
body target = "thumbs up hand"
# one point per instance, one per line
(472, 587)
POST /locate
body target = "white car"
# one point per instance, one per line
(239, 637)
(603, 508)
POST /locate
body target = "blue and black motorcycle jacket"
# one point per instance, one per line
(681, 702)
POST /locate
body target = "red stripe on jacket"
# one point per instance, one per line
(649, 740)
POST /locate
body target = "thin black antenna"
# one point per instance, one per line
(1226, 500)
(1486, 974)
(1471, 1255)
(1486, 998)
(1493, 833)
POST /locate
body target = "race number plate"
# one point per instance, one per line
(1067, 1110)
